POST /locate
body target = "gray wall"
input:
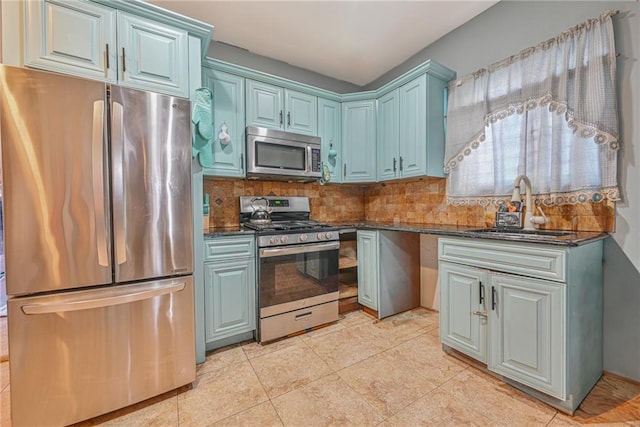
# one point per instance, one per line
(239, 56)
(510, 26)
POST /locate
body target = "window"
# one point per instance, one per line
(548, 112)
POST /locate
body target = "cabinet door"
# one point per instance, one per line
(302, 113)
(387, 141)
(463, 321)
(71, 37)
(359, 141)
(229, 298)
(367, 242)
(527, 332)
(329, 131)
(264, 105)
(228, 110)
(153, 56)
(413, 128)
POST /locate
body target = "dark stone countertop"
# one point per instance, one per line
(227, 231)
(572, 239)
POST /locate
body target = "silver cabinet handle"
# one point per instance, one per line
(394, 164)
(241, 162)
(119, 217)
(281, 117)
(480, 313)
(124, 67)
(294, 250)
(288, 118)
(106, 301)
(97, 171)
(400, 163)
(304, 315)
(345, 171)
(106, 60)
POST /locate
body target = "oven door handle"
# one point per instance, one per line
(298, 249)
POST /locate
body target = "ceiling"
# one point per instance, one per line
(353, 41)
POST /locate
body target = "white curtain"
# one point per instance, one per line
(548, 112)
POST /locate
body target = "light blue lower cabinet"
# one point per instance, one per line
(528, 332)
(462, 322)
(532, 313)
(230, 301)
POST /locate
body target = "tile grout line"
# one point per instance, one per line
(263, 388)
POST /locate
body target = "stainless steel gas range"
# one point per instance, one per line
(297, 267)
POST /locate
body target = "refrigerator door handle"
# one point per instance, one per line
(97, 169)
(119, 222)
(92, 303)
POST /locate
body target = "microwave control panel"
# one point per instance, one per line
(316, 160)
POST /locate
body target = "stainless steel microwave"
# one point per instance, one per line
(282, 155)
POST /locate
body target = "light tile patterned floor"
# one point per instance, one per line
(359, 372)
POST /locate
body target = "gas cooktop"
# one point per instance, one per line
(309, 225)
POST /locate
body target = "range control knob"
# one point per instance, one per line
(273, 241)
(303, 237)
(284, 239)
(329, 235)
(321, 236)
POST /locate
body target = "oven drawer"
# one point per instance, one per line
(222, 248)
(284, 324)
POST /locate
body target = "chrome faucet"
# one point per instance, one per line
(530, 220)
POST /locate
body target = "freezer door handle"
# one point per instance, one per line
(97, 169)
(106, 301)
(120, 202)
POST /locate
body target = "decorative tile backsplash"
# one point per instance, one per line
(418, 201)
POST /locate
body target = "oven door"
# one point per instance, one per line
(291, 275)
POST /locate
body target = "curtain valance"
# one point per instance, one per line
(571, 76)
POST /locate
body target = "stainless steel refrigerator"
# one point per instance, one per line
(98, 245)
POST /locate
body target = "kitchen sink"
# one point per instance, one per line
(525, 233)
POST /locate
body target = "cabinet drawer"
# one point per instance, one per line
(228, 247)
(528, 260)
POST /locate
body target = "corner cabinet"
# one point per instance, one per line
(531, 312)
(90, 40)
(359, 141)
(278, 108)
(228, 112)
(230, 290)
(329, 131)
(411, 130)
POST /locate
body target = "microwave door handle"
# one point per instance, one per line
(309, 159)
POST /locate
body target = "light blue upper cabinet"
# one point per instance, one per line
(413, 141)
(359, 141)
(86, 39)
(329, 130)
(228, 111)
(302, 113)
(278, 108)
(411, 130)
(388, 134)
(264, 105)
(153, 56)
(71, 37)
